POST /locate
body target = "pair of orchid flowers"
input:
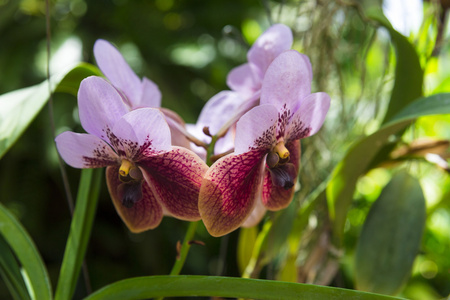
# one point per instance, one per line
(151, 170)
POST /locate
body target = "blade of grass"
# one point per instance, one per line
(25, 250)
(10, 272)
(80, 231)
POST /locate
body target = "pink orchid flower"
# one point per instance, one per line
(146, 176)
(136, 93)
(246, 79)
(262, 171)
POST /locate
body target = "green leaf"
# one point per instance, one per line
(10, 272)
(408, 72)
(185, 286)
(360, 156)
(246, 242)
(390, 238)
(80, 231)
(71, 81)
(38, 282)
(18, 108)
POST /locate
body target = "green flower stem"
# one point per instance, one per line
(176, 269)
(181, 257)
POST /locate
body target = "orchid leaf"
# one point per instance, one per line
(10, 272)
(360, 156)
(18, 108)
(188, 285)
(80, 230)
(38, 282)
(390, 238)
(408, 72)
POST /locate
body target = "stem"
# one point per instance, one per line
(181, 258)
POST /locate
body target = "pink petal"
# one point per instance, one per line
(177, 128)
(81, 150)
(145, 214)
(218, 110)
(229, 190)
(256, 129)
(141, 132)
(308, 119)
(150, 96)
(100, 106)
(287, 80)
(276, 197)
(117, 70)
(241, 79)
(175, 178)
(267, 47)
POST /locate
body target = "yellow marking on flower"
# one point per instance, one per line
(281, 150)
(125, 168)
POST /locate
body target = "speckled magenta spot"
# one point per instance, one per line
(101, 157)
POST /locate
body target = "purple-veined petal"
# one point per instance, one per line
(229, 190)
(81, 150)
(117, 70)
(218, 110)
(258, 212)
(241, 80)
(150, 96)
(277, 197)
(308, 119)
(141, 132)
(256, 129)
(100, 106)
(145, 214)
(267, 47)
(287, 80)
(175, 177)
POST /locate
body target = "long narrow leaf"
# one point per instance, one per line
(10, 272)
(185, 286)
(80, 231)
(23, 247)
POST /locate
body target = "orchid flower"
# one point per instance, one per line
(135, 92)
(146, 176)
(246, 79)
(262, 171)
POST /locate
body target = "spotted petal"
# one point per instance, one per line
(256, 129)
(117, 70)
(141, 132)
(100, 106)
(145, 214)
(267, 47)
(308, 119)
(287, 80)
(277, 197)
(81, 150)
(175, 177)
(229, 191)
